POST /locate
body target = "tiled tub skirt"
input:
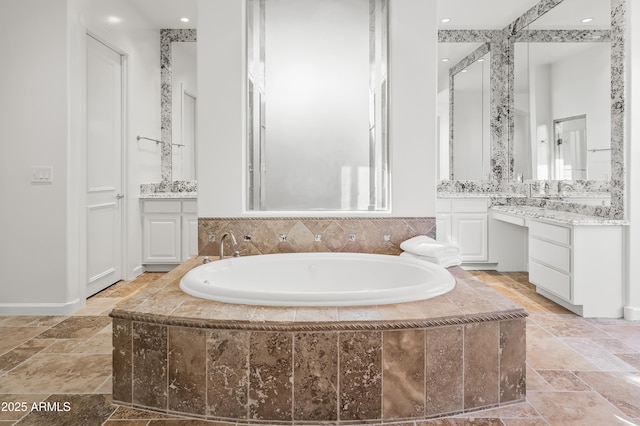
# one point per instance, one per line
(177, 354)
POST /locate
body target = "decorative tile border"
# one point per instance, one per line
(312, 234)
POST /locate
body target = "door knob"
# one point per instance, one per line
(119, 196)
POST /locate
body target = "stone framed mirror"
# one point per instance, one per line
(175, 106)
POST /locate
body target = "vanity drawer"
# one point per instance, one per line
(161, 206)
(550, 279)
(553, 255)
(469, 206)
(555, 233)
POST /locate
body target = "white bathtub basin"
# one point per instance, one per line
(317, 279)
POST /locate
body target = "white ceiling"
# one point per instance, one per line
(167, 13)
(481, 14)
(463, 15)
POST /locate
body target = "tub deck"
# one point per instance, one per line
(461, 351)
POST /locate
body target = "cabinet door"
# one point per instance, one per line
(189, 236)
(161, 238)
(443, 226)
(469, 232)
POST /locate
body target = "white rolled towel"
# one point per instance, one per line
(425, 246)
(445, 262)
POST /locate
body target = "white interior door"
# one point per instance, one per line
(104, 166)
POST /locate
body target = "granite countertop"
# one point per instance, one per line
(557, 216)
(168, 195)
(447, 194)
(163, 302)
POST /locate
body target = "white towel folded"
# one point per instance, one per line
(425, 246)
(445, 262)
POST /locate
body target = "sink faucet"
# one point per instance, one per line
(564, 186)
(233, 241)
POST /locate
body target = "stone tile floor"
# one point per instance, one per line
(580, 371)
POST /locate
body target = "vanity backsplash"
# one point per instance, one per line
(579, 196)
(184, 188)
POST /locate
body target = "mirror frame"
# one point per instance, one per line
(168, 36)
(501, 70)
(518, 30)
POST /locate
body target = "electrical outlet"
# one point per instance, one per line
(42, 174)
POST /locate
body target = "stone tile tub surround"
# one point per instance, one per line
(312, 234)
(455, 353)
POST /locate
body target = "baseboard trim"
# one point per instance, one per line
(631, 313)
(18, 309)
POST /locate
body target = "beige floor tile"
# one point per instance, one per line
(614, 346)
(521, 410)
(539, 421)
(76, 327)
(544, 351)
(535, 382)
(576, 408)
(621, 389)
(98, 306)
(599, 357)
(568, 326)
(627, 334)
(58, 373)
(11, 337)
(18, 405)
(563, 380)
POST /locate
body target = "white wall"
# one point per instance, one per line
(412, 107)
(34, 132)
(43, 244)
(632, 141)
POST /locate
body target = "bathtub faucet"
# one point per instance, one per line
(233, 241)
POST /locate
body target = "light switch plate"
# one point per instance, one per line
(42, 174)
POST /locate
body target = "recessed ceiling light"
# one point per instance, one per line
(445, 20)
(184, 19)
(481, 60)
(464, 70)
(114, 19)
(445, 59)
(585, 20)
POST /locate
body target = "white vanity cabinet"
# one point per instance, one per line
(463, 221)
(578, 264)
(169, 232)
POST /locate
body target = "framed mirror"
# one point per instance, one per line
(317, 105)
(178, 102)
